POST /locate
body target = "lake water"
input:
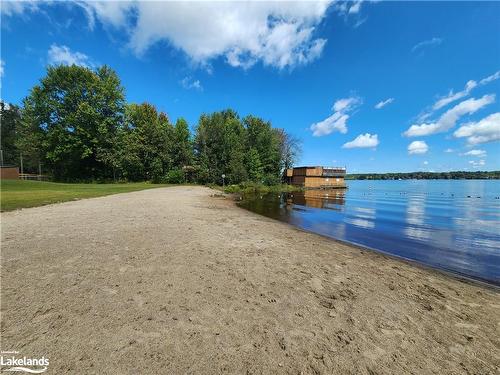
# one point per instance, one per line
(453, 225)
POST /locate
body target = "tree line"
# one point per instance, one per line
(77, 124)
(454, 175)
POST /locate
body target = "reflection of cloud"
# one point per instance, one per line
(418, 233)
(487, 246)
(363, 217)
(366, 213)
(368, 224)
(442, 238)
(415, 211)
(415, 217)
(326, 228)
(338, 231)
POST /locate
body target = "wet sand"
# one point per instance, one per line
(175, 281)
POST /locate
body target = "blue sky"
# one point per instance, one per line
(374, 86)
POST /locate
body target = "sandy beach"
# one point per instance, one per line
(178, 281)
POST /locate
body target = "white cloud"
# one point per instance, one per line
(10, 8)
(383, 103)
(426, 162)
(337, 121)
(114, 13)
(350, 10)
(477, 164)
(417, 147)
(346, 104)
(454, 96)
(451, 97)
(483, 131)
(63, 55)
(450, 117)
(356, 7)
(427, 43)
(477, 153)
(278, 34)
(449, 150)
(190, 83)
(363, 141)
(489, 79)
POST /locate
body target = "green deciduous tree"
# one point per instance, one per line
(76, 122)
(146, 140)
(212, 145)
(255, 168)
(72, 118)
(182, 147)
(242, 150)
(10, 118)
(263, 139)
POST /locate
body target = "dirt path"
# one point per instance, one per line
(174, 281)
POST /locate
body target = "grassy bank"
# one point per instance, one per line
(250, 187)
(22, 194)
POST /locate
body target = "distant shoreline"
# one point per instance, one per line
(454, 175)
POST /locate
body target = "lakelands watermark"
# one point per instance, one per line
(12, 361)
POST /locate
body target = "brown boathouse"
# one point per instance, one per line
(316, 177)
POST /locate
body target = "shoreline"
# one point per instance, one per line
(452, 274)
(178, 280)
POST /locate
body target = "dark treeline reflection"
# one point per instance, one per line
(279, 206)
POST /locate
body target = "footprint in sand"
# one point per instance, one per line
(109, 291)
(316, 285)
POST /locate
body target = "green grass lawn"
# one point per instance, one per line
(22, 194)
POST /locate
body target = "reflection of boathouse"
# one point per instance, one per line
(316, 177)
(333, 200)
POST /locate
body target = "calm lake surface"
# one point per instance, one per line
(448, 224)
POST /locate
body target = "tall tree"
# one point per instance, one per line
(212, 147)
(73, 115)
(182, 147)
(111, 106)
(255, 168)
(10, 118)
(145, 143)
(290, 148)
(235, 141)
(263, 139)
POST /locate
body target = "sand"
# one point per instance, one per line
(176, 281)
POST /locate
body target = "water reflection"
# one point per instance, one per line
(415, 216)
(433, 222)
(328, 199)
(363, 217)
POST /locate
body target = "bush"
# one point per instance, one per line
(174, 176)
(271, 180)
(250, 187)
(156, 171)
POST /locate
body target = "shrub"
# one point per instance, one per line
(271, 180)
(174, 176)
